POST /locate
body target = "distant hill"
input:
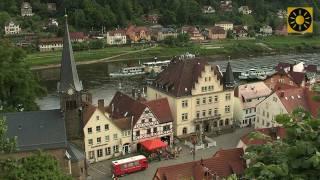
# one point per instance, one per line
(85, 15)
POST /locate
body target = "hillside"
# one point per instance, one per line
(88, 15)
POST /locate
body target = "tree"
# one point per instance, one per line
(7, 145)
(295, 157)
(37, 166)
(4, 18)
(18, 86)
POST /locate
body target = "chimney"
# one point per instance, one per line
(282, 94)
(139, 95)
(101, 105)
(89, 98)
(133, 93)
(291, 67)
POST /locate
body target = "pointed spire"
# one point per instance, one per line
(228, 77)
(68, 76)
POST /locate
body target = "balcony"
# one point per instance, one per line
(209, 118)
(157, 134)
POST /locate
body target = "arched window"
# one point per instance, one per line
(184, 130)
(227, 122)
(221, 122)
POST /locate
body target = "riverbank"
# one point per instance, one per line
(222, 49)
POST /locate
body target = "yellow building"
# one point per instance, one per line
(104, 138)
(199, 96)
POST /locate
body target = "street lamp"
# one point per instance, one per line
(194, 142)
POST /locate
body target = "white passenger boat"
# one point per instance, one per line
(156, 66)
(129, 71)
(254, 74)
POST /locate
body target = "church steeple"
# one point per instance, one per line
(69, 80)
(70, 89)
(229, 81)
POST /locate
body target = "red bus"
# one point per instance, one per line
(129, 165)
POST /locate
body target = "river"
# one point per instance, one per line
(95, 76)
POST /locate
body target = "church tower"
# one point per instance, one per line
(70, 89)
(229, 81)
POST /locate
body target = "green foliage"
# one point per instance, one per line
(295, 157)
(7, 145)
(96, 44)
(180, 40)
(4, 18)
(18, 86)
(36, 166)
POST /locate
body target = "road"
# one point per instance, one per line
(94, 61)
(101, 170)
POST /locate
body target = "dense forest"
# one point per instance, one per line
(93, 14)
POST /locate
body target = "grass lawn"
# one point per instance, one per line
(44, 58)
(221, 47)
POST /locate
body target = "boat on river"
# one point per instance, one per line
(129, 71)
(156, 66)
(253, 74)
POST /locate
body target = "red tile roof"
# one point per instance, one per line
(88, 111)
(222, 164)
(217, 30)
(292, 99)
(160, 109)
(50, 40)
(123, 107)
(122, 32)
(273, 132)
(180, 76)
(77, 35)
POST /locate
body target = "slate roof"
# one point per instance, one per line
(273, 132)
(229, 81)
(37, 129)
(68, 73)
(179, 78)
(223, 164)
(75, 153)
(122, 106)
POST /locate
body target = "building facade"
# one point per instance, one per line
(193, 32)
(217, 32)
(208, 10)
(138, 34)
(166, 32)
(200, 98)
(116, 37)
(26, 9)
(103, 139)
(12, 28)
(244, 10)
(266, 30)
(285, 101)
(247, 96)
(50, 44)
(147, 119)
(225, 25)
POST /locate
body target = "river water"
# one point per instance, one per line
(95, 76)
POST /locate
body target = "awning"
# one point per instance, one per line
(153, 144)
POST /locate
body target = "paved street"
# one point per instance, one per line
(101, 170)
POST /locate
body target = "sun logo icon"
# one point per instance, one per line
(300, 20)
